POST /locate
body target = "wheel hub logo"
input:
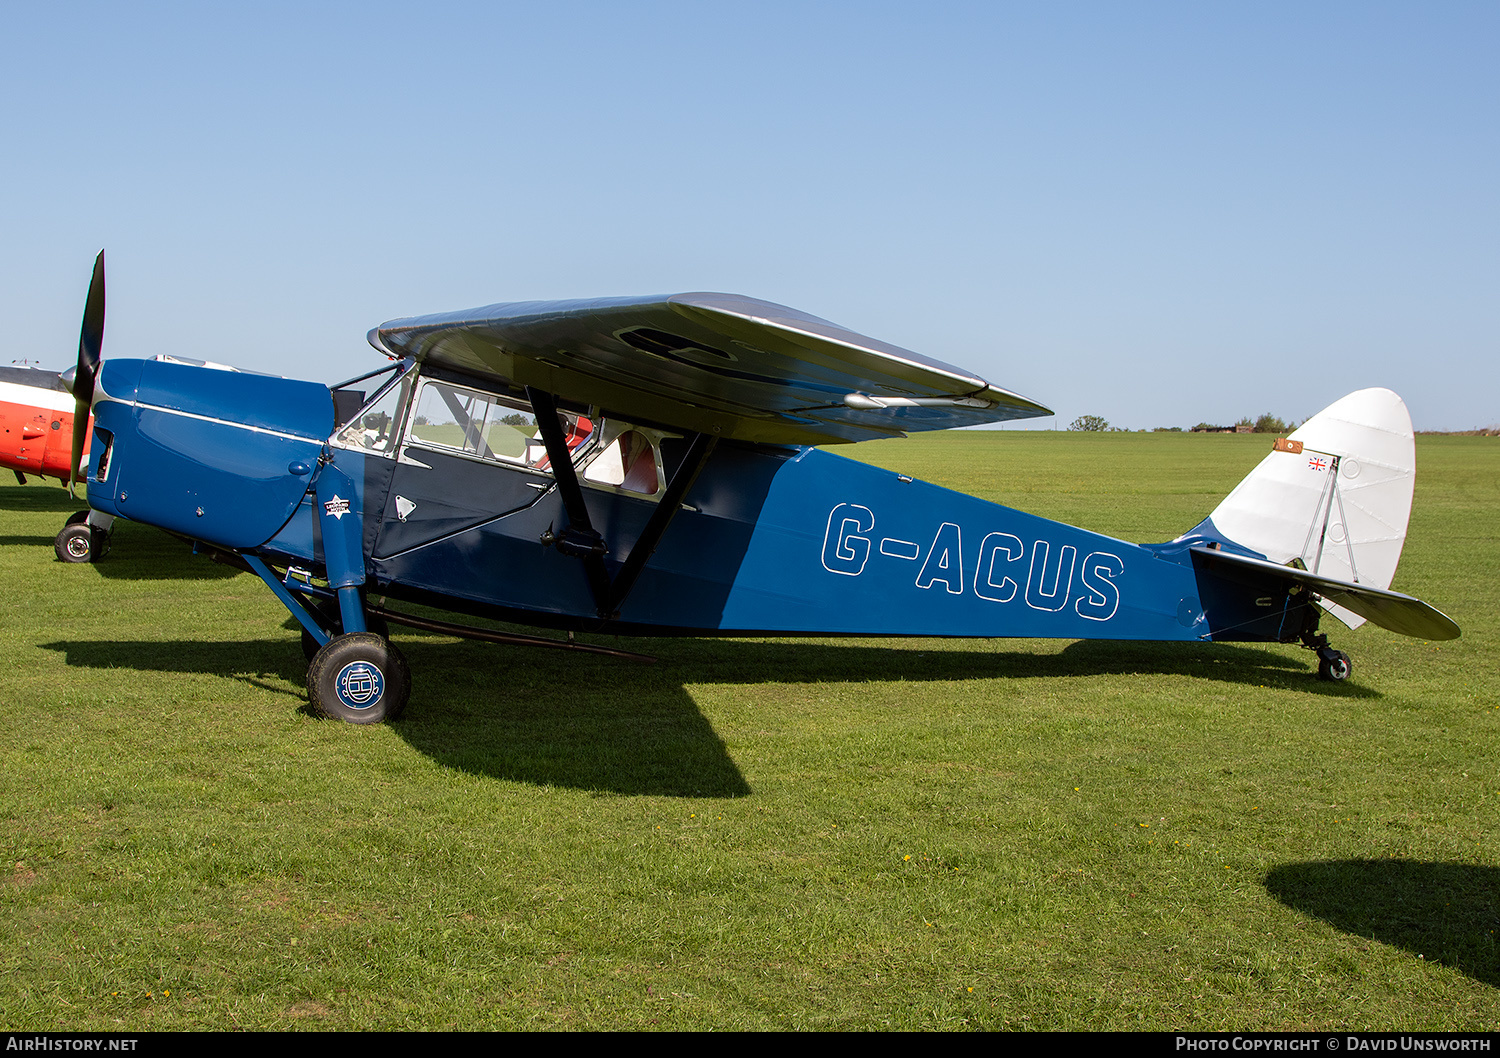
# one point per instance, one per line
(359, 685)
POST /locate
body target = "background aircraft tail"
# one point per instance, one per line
(1334, 497)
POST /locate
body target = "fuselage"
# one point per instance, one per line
(770, 539)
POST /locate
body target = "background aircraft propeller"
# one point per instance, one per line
(90, 343)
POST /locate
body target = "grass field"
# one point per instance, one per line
(756, 834)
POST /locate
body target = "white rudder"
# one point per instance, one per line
(1334, 496)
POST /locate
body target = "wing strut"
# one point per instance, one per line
(580, 539)
(671, 502)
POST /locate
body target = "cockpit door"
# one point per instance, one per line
(464, 458)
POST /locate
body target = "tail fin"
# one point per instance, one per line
(1334, 497)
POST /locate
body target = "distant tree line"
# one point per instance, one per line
(1267, 423)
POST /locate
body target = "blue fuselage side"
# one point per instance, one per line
(779, 541)
(848, 548)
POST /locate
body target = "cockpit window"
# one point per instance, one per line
(439, 416)
(378, 423)
(470, 422)
(486, 426)
(629, 463)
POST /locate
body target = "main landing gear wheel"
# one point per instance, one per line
(359, 678)
(80, 542)
(1333, 664)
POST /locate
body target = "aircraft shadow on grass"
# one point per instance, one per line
(144, 555)
(24, 498)
(1447, 913)
(26, 541)
(138, 552)
(485, 711)
(167, 559)
(608, 724)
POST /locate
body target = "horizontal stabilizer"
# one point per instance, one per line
(1389, 609)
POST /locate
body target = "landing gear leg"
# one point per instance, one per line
(331, 619)
(358, 677)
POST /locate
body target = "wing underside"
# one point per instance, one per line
(720, 364)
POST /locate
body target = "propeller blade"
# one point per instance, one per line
(90, 344)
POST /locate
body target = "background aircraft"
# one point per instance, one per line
(36, 437)
(673, 488)
(36, 423)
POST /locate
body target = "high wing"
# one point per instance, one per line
(718, 364)
(1389, 609)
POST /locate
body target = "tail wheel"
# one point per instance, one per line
(1333, 665)
(80, 542)
(359, 678)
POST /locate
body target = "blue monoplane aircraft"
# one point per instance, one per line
(646, 466)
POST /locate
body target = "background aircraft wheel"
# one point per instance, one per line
(80, 542)
(359, 678)
(1333, 665)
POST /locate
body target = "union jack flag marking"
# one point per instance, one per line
(1317, 463)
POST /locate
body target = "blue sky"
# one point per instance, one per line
(1159, 213)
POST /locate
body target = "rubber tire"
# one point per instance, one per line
(1335, 665)
(79, 542)
(334, 659)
